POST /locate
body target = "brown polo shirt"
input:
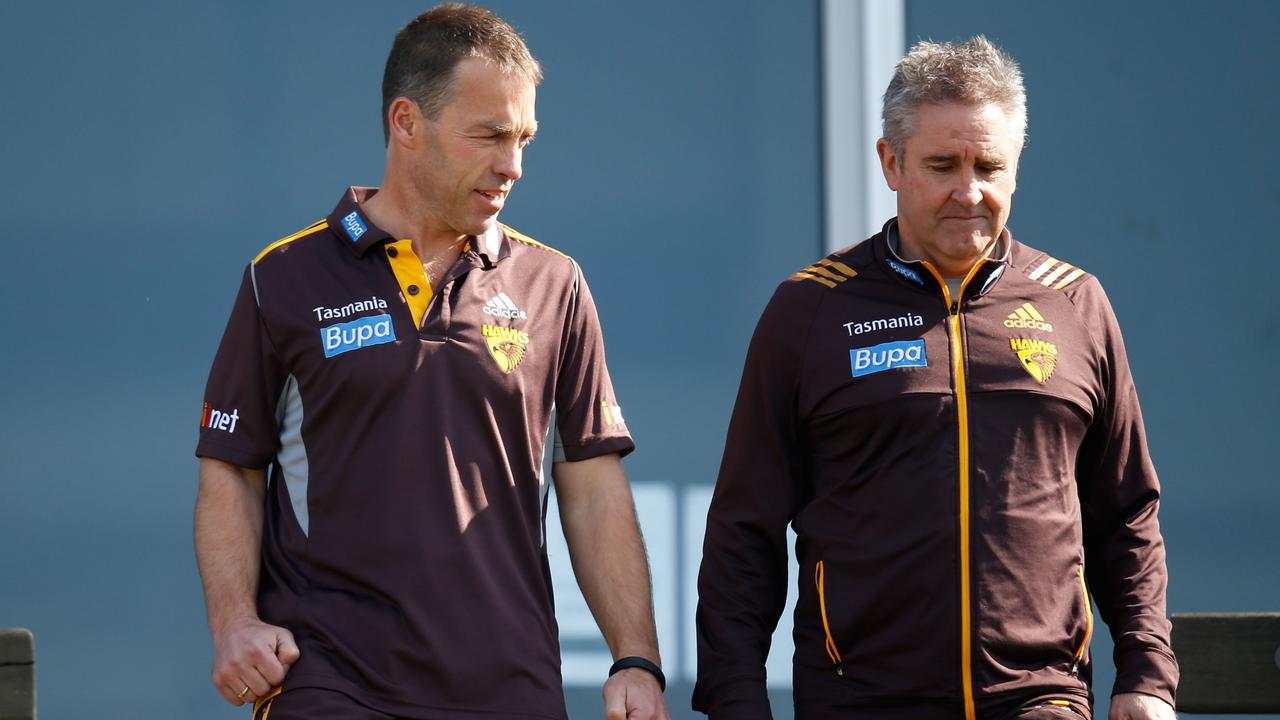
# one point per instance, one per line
(405, 431)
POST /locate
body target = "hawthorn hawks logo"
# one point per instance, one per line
(1037, 357)
(506, 345)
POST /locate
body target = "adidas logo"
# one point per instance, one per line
(501, 306)
(1027, 317)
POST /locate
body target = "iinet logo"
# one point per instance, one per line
(219, 420)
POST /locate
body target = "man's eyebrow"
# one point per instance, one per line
(985, 159)
(503, 128)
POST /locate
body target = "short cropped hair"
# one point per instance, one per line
(974, 72)
(423, 62)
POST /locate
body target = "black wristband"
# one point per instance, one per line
(639, 662)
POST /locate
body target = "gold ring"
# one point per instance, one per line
(240, 695)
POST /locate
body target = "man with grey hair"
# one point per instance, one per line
(370, 523)
(947, 419)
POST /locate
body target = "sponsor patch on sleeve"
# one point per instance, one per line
(215, 419)
(611, 413)
(887, 356)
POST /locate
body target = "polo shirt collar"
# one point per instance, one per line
(352, 225)
(492, 247)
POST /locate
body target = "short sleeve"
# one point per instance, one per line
(238, 421)
(588, 416)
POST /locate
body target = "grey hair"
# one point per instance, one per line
(974, 72)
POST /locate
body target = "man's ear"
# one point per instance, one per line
(890, 163)
(405, 122)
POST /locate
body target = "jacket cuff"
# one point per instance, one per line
(1149, 671)
(737, 700)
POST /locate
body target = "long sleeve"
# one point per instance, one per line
(1120, 499)
(743, 580)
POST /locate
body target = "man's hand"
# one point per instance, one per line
(633, 694)
(251, 654)
(1136, 706)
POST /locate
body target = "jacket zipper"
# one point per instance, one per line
(1088, 625)
(962, 417)
(832, 651)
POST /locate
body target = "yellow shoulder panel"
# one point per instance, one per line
(318, 225)
(521, 237)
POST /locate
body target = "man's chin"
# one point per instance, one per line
(975, 245)
(480, 227)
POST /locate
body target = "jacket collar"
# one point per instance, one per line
(923, 276)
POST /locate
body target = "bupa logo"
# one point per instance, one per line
(888, 356)
(354, 225)
(219, 419)
(905, 272)
(348, 336)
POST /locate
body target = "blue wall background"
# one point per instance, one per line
(151, 148)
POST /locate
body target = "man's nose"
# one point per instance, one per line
(510, 162)
(968, 190)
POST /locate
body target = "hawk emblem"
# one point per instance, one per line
(507, 353)
(506, 345)
(1038, 357)
(1039, 363)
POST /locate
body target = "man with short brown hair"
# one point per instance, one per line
(396, 365)
(947, 419)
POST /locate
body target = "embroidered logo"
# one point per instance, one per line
(502, 306)
(887, 356)
(1037, 357)
(354, 225)
(1027, 317)
(506, 345)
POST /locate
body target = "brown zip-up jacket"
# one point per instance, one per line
(962, 475)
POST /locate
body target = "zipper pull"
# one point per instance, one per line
(1075, 668)
(840, 670)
